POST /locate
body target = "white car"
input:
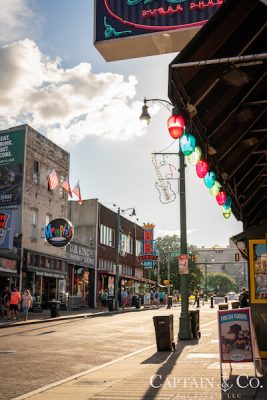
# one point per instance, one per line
(232, 296)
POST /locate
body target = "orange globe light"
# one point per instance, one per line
(176, 126)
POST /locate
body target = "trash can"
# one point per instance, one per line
(164, 332)
(111, 304)
(54, 309)
(223, 306)
(137, 302)
(195, 325)
(169, 302)
(235, 304)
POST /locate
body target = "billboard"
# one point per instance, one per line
(6, 229)
(127, 29)
(12, 146)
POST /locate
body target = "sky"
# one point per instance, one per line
(53, 78)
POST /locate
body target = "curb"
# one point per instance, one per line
(63, 318)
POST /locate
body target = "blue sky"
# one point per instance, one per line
(55, 80)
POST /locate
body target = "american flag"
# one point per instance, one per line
(77, 191)
(66, 186)
(53, 180)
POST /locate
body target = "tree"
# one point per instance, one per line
(221, 282)
(169, 249)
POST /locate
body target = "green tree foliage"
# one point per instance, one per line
(221, 282)
(169, 248)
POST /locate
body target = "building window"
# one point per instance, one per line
(107, 236)
(106, 265)
(36, 172)
(138, 247)
(127, 270)
(126, 243)
(34, 220)
(61, 191)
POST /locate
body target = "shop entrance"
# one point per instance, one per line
(49, 291)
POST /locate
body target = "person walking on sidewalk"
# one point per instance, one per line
(26, 303)
(5, 300)
(14, 303)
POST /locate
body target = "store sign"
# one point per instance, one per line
(183, 264)
(236, 336)
(59, 232)
(149, 255)
(164, 20)
(11, 168)
(9, 266)
(80, 255)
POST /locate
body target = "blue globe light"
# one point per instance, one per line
(209, 179)
(187, 144)
(228, 203)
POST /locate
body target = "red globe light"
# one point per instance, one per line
(176, 126)
(221, 198)
(202, 168)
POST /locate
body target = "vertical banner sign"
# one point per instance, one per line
(11, 168)
(183, 264)
(149, 255)
(235, 336)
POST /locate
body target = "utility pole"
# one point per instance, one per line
(169, 270)
(117, 259)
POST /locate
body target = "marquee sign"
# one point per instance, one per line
(173, 22)
(59, 232)
(149, 256)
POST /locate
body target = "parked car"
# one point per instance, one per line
(232, 296)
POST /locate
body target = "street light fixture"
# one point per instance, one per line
(117, 249)
(176, 129)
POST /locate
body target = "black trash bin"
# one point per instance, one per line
(195, 326)
(164, 332)
(54, 308)
(138, 302)
(111, 304)
(169, 305)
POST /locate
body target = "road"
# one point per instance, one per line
(35, 355)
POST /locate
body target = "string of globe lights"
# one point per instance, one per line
(194, 155)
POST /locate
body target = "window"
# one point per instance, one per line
(138, 247)
(36, 172)
(61, 191)
(106, 265)
(126, 243)
(34, 235)
(127, 270)
(107, 236)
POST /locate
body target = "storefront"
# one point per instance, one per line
(8, 273)
(81, 275)
(46, 277)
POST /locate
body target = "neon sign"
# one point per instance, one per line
(149, 255)
(59, 232)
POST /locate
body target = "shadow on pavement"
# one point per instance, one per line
(169, 358)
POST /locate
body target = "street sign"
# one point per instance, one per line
(166, 282)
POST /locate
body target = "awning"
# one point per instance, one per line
(225, 99)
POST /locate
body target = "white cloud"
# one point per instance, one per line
(14, 18)
(69, 104)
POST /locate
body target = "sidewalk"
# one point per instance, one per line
(191, 372)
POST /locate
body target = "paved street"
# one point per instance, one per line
(47, 352)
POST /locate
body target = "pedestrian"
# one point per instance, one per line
(156, 298)
(26, 303)
(196, 296)
(124, 298)
(161, 298)
(14, 303)
(244, 298)
(151, 298)
(104, 299)
(99, 303)
(5, 303)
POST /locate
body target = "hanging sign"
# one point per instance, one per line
(172, 22)
(235, 336)
(59, 232)
(183, 264)
(149, 255)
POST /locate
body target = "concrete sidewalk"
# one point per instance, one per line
(191, 372)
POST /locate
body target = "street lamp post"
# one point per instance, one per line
(117, 249)
(185, 331)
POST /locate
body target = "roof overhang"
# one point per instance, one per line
(220, 81)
